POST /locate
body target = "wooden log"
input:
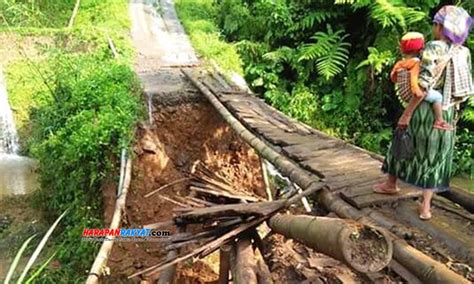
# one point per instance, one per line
(204, 250)
(242, 262)
(225, 194)
(364, 248)
(167, 276)
(461, 197)
(422, 266)
(215, 244)
(224, 264)
(263, 273)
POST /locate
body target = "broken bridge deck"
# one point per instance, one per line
(348, 170)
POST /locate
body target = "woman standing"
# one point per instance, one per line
(445, 66)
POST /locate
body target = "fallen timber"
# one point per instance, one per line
(421, 265)
(212, 245)
(363, 248)
(343, 240)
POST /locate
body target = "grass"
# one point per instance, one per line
(196, 17)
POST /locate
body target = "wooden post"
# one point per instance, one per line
(242, 262)
(224, 264)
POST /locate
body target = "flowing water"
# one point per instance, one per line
(17, 174)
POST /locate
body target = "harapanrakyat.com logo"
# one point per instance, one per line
(124, 235)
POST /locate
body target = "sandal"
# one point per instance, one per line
(442, 125)
(382, 189)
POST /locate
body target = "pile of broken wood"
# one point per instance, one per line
(219, 216)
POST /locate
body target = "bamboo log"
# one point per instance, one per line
(268, 189)
(101, 258)
(224, 264)
(242, 262)
(422, 266)
(365, 249)
(461, 197)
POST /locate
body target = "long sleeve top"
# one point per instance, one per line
(412, 66)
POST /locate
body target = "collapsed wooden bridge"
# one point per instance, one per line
(331, 177)
(334, 174)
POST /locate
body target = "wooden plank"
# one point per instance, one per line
(229, 210)
(309, 148)
(281, 138)
(324, 158)
(353, 167)
(377, 198)
(351, 181)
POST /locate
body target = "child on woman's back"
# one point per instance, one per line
(405, 75)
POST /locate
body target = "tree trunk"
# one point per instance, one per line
(363, 248)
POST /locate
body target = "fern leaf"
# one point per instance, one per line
(329, 54)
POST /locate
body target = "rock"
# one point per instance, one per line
(149, 147)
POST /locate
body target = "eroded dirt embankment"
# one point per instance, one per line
(180, 136)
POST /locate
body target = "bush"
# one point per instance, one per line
(85, 119)
(340, 51)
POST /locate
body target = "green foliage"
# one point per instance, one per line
(196, 16)
(87, 118)
(77, 107)
(330, 53)
(341, 51)
(35, 13)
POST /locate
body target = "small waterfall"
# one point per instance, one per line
(8, 136)
(17, 174)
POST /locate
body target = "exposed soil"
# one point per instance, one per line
(182, 136)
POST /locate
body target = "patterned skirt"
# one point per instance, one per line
(431, 166)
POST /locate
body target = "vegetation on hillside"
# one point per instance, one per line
(77, 107)
(326, 63)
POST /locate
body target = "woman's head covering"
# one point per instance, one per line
(412, 42)
(456, 23)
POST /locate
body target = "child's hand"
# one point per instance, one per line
(403, 121)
